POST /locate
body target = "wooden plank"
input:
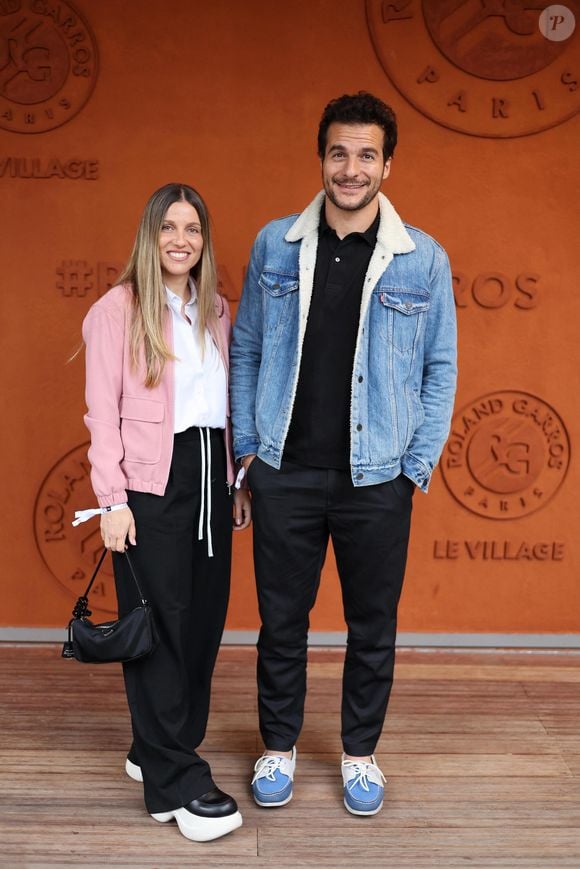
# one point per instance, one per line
(474, 843)
(481, 753)
(515, 672)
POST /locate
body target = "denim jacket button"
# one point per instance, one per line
(359, 476)
(360, 378)
(359, 427)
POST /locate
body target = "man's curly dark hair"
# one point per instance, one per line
(360, 108)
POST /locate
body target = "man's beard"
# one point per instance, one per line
(355, 206)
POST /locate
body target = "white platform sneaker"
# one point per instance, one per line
(210, 816)
(133, 771)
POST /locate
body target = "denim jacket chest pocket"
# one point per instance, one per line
(280, 296)
(401, 316)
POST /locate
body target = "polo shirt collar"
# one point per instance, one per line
(369, 235)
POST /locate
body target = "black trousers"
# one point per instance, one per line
(169, 692)
(295, 510)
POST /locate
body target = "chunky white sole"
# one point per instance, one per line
(357, 812)
(200, 829)
(133, 771)
(272, 805)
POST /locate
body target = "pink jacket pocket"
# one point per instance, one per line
(141, 429)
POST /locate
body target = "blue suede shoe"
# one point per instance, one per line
(273, 779)
(363, 786)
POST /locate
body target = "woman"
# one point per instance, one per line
(161, 468)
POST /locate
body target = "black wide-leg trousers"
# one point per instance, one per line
(295, 510)
(169, 691)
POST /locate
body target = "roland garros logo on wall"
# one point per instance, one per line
(48, 64)
(70, 553)
(506, 456)
(487, 68)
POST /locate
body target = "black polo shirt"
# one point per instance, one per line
(319, 433)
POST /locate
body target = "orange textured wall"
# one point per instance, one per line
(100, 103)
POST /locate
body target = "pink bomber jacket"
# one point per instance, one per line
(131, 426)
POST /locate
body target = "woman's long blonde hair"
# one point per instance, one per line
(143, 274)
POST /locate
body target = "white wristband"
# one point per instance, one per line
(85, 515)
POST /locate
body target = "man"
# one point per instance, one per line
(342, 382)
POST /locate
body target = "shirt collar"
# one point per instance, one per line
(369, 235)
(176, 302)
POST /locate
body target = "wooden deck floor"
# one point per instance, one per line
(481, 751)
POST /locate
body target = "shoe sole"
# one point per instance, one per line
(272, 805)
(199, 829)
(133, 771)
(358, 812)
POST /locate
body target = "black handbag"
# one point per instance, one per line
(130, 637)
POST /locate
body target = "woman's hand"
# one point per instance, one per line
(242, 509)
(116, 527)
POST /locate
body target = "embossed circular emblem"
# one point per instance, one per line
(48, 64)
(506, 456)
(71, 553)
(483, 68)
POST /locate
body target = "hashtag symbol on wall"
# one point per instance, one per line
(75, 278)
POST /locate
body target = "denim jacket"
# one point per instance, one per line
(404, 371)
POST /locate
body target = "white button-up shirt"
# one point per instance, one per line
(200, 383)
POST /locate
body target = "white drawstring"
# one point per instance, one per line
(205, 495)
(205, 484)
(209, 540)
(202, 495)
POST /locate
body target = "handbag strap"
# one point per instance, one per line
(93, 577)
(81, 609)
(143, 601)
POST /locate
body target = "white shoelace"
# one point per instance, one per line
(362, 773)
(266, 766)
(205, 509)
